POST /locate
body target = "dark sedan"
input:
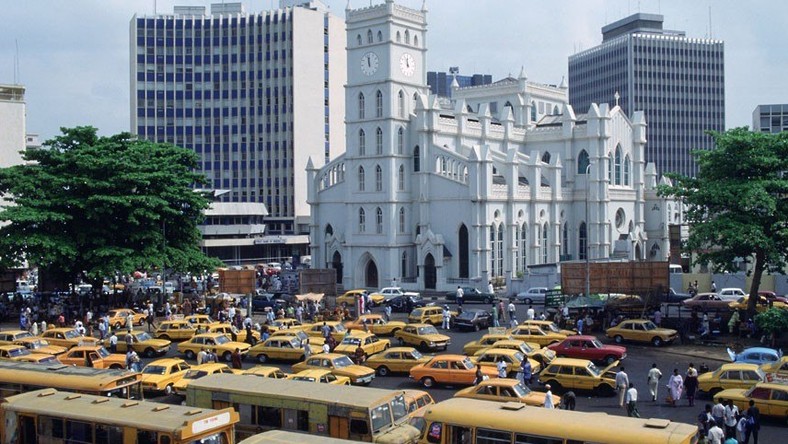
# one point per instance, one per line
(473, 319)
(471, 294)
(400, 303)
(671, 296)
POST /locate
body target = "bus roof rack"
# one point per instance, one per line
(657, 423)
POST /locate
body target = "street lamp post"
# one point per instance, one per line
(588, 231)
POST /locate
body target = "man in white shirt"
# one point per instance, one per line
(632, 399)
(202, 356)
(446, 318)
(731, 412)
(459, 295)
(654, 375)
(529, 315)
(622, 383)
(490, 288)
(326, 348)
(548, 398)
(716, 435)
(501, 368)
(512, 310)
(113, 343)
(718, 412)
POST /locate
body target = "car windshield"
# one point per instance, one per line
(195, 374)
(521, 390)
(47, 360)
(18, 352)
(339, 328)
(304, 378)
(144, 336)
(102, 352)
(154, 370)
(71, 334)
(467, 315)
(351, 341)
(23, 335)
(417, 312)
(37, 344)
(430, 330)
(519, 356)
(416, 354)
(649, 326)
(381, 417)
(467, 364)
(222, 340)
(344, 361)
(596, 343)
(295, 343)
(593, 369)
(525, 348)
(553, 328)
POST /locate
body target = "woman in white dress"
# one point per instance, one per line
(676, 386)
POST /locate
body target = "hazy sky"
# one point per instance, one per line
(74, 55)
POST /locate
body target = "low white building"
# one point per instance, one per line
(433, 196)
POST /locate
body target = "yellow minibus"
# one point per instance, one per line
(20, 377)
(459, 420)
(50, 416)
(285, 437)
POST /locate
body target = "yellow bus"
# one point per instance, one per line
(49, 416)
(285, 437)
(20, 377)
(470, 421)
(347, 412)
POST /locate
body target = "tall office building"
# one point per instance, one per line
(440, 82)
(251, 94)
(679, 82)
(770, 118)
(12, 124)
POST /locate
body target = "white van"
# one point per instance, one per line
(676, 269)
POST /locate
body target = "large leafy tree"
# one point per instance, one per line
(87, 207)
(737, 205)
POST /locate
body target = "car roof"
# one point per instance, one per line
(418, 325)
(399, 349)
(760, 350)
(359, 334)
(258, 369)
(499, 351)
(739, 366)
(581, 337)
(314, 372)
(208, 366)
(11, 347)
(167, 361)
(570, 361)
(13, 332)
(449, 356)
(502, 381)
(208, 335)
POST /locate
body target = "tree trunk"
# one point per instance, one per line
(760, 264)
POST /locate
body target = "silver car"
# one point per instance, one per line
(534, 295)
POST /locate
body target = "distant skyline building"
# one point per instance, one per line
(770, 118)
(440, 83)
(251, 94)
(677, 81)
(12, 124)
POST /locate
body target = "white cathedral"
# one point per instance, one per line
(506, 176)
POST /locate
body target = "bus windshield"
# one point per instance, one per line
(381, 417)
(399, 407)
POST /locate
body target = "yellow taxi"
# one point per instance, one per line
(424, 336)
(543, 356)
(281, 348)
(761, 306)
(536, 334)
(550, 326)
(119, 316)
(486, 341)
(38, 345)
(162, 374)
(770, 398)
(200, 321)
(728, 376)
(505, 390)
(14, 352)
(777, 370)
(177, 330)
(230, 330)
(428, 315)
(219, 343)
(641, 330)
(38, 358)
(448, 369)
(376, 324)
(417, 400)
(337, 328)
(301, 335)
(370, 343)
(143, 343)
(579, 374)
(9, 337)
(319, 375)
(94, 356)
(199, 371)
(512, 358)
(286, 324)
(264, 371)
(348, 299)
(396, 360)
(339, 365)
(67, 337)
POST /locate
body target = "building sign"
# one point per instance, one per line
(269, 240)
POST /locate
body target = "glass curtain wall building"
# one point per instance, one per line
(679, 82)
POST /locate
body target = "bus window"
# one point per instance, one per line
(147, 437)
(79, 432)
(459, 435)
(492, 436)
(303, 420)
(359, 427)
(106, 434)
(49, 427)
(268, 417)
(528, 439)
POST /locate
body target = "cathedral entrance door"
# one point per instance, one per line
(430, 273)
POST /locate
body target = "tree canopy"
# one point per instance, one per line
(737, 205)
(90, 206)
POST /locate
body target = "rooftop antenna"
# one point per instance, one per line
(711, 33)
(155, 10)
(16, 63)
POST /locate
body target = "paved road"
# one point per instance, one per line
(638, 361)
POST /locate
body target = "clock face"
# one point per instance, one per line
(407, 64)
(369, 63)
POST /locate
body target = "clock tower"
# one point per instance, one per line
(386, 56)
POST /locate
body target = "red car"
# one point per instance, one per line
(588, 347)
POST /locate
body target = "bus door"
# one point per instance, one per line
(295, 420)
(338, 427)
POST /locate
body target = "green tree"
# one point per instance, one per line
(87, 207)
(737, 205)
(773, 322)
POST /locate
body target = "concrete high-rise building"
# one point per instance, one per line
(12, 124)
(440, 83)
(770, 118)
(678, 81)
(251, 94)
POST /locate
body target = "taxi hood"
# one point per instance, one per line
(610, 368)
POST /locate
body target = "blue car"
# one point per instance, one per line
(756, 355)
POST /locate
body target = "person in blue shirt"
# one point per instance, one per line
(526, 372)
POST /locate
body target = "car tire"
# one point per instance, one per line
(656, 341)
(528, 301)
(713, 392)
(618, 339)
(262, 358)
(487, 300)
(116, 366)
(609, 359)
(383, 370)
(117, 326)
(190, 354)
(149, 352)
(393, 332)
(386, 347)
(227, 356)
(169, 390)
(423, 345)
(476, 327)
(427, 382)
(401, 341)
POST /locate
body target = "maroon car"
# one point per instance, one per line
(588, 347)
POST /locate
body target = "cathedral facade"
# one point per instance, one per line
(431, 193)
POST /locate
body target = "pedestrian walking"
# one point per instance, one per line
(202, 356)
(676, 386)
(622, 384)
(753, 423)
(691, 384)
(325, 330)
(654, 375)
(495, 315)
(632, 401)
(568, 400)
(446, 318)
(715, 434)
(579, 325)
(326, 348)
(731, 415)
(526, 372)
(717, 410)
(459, 295)
(490, 288)
(529, 315)
(658, 317)
(479, 377)
(512, 314)
(705, 420)
(741, 427)
(113, 343)
(548, 398)
(307, 348)
(236, 359)
(387, 313)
